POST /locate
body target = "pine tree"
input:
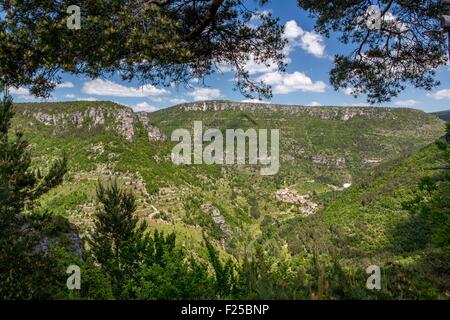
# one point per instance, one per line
(394, 44)
(156, 42)
(20, 266)
(165, 271)
(117, 233)
(224, 272)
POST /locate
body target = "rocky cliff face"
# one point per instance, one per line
(324, 113)
(154, 134)
(217, 217)
(121, 120)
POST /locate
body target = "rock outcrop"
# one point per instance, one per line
(322, 160)
(120, 119)
(372, 161)
(72, 240)
(154, 134)
(217, 217)
(324, 113)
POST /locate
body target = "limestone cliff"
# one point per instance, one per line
(92, 116)
(324, 113)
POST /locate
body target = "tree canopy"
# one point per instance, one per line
(20, 187)
(407, 46)
(159, 42)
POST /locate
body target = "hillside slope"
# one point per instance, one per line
(399, 218)
(444, 115)
(322, 149)
(333, 144)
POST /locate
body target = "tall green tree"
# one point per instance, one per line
(117, 231)
(158, 42)
(399, 42)
(226, 280)
(166, 271)
(21, 268)
(142, 265)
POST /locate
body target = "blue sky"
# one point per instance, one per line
(305, 83)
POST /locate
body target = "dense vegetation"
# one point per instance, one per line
(358, 186)
(157, 42)
(174, 41)
(148, 227)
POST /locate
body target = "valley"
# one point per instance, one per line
(346, 187)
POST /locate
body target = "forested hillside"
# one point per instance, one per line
(356, 187)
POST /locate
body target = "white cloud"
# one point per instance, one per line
(144, 106)
(65, 85)
(19, 91)
(292, 30)
(178, 101)
(310, 41)
(442, 94)
(291, 82)
(252, 66)
(255, 20)
(392, 20)
(352, 91)
(315, 104)
(202, 94)
(70, 96)
(313, 43)
(406, 103)
(24, 93)
(101, 87)
(349, 91)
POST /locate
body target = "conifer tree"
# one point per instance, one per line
(117, 232)
(20, 265)
(394, 43)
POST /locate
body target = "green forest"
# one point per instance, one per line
(60, 209)
(93, 206)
